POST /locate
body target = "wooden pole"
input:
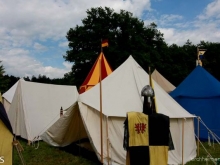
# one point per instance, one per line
(149, 76)
(198, 136)
(101, 110)
(182, 141)
(152, 85)
(107, 139)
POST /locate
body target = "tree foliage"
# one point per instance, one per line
(127, 36)
(211, 61)
(4, 81)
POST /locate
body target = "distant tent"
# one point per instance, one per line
(121, 94)
(36, 106)
(8, 96)
(162, 81)
(199, 94)
(94, 75)
(6, 138)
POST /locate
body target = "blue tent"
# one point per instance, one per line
(199, 94)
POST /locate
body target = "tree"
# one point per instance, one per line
(211, 61)
(12, 80)
(4, 81)
(127, 36)
(182, 60)
(27, 78)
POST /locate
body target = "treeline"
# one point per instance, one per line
(128, 35)
(174, 65)
(10, 80)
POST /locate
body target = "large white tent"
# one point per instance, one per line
(121, 94)
(162, 81)
(36, 106)
(8, 96)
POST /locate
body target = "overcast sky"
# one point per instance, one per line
(32, 32)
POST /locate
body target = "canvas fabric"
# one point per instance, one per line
(199, 94)
(121, 94)
(6, 138)
(36, 106)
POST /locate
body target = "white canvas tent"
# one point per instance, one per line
(36, 106)
(120, 94)
(8, 96)
(162, 81)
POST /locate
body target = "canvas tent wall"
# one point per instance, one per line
(6, 138)
(121, 94)
(8, 96)
(199, 94)
(162, 81)
(36, 106)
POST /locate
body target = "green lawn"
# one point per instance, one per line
(48, 155)
(214, 150)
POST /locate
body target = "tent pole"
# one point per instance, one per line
(152, 85)
(107, 139)
(100, 80)
(198, 137)
(182, 141)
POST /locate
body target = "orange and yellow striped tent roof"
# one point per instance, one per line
(93, 77)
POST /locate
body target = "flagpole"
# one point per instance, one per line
(149, 76)
(107, 139)
(200, 52)
(152, 85)
(182, 141)
(100, 80)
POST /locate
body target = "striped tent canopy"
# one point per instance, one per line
(94, 75)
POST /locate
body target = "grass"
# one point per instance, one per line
(49, 155)
(214, 150)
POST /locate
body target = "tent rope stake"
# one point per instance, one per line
(212, 133)
(19, 149)
(209, 155)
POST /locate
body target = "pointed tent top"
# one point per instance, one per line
(94, 75)
(162, 81)
(198, 84)
(122, 93)
(8, 95)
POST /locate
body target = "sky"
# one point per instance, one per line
(33, 32)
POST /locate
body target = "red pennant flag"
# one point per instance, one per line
(104, 43)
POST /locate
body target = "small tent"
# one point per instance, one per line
(199, 94)
(36, 106)
(162, 81)
(6, 138)
(8, 96)
(94, 75)
(121, 93)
